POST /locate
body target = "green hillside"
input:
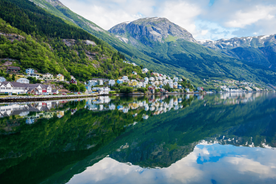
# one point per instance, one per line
(130, 52)
(34, 38)
(183, 58)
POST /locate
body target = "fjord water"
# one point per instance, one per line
(224, 138)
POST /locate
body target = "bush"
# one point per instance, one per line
(126, 90)
(112, 92)
(143, 90)
(74, 88)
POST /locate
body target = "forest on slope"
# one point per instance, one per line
(35, 38)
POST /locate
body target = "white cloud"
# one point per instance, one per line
(242, 19)
(181, 13)
(222, 19)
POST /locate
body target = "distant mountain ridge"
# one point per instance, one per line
(258, 49)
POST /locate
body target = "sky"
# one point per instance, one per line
(205, 19)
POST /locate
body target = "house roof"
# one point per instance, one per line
(17, 84)
(13, 67)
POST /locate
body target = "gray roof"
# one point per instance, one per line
(17, 84)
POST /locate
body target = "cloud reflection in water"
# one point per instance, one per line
(208, 163)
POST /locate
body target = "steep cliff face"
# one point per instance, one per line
(148, 30)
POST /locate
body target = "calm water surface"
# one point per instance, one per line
(224, 138)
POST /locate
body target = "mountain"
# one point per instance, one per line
(165, 47)
(258, 49)
(56, 8)
(168, 43)
(150, 30)
(32, 37)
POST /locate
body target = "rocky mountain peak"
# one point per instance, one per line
(55, 3)
(154, 29)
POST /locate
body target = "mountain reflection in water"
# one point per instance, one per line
(171, 139)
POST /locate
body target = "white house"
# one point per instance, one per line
(101, 90)
(170, 84)
(187, 90)
(23, 88)
(146, 80)
(175, 79)
(151, 79)
(134, 73)
(23, 80)
(125, 78)
(34, 75)
(145, 70)
(47, 76)
(30, 71)
(133, 64)
(175, 84)
(111, 82)
(2, 79)
(100, 82)
(92, 83)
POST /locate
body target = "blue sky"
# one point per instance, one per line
(205, 19)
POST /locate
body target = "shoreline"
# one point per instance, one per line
(60, 97)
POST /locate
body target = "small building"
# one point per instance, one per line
(175, 85)
(92, 82)
(120, 81)
(47, 76)
(34, 75)
(175, 79)
(133, 83)
(111, 82)
(29, 71)
(170, 84)
(73, 81)
(2, 79)
(13, 69)
(146, 80)
(179, 86)
(55, 91)
(134, 73)
(101, 90)
(187, 90)
(60, 77)
(133, 64)
(100, 82)
(23, 81)
(152, 79)
(200, 88)
(125, 78)
(145, 70)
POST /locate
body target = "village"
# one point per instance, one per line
(153, 83)
(30, 82)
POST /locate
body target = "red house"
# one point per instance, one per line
(73, 81)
